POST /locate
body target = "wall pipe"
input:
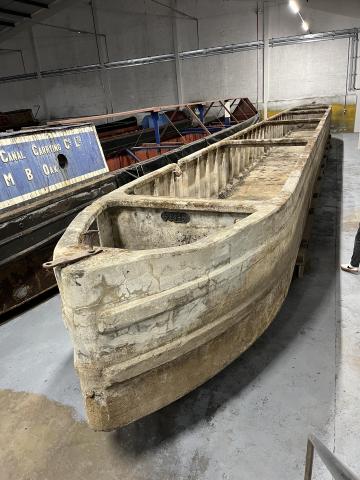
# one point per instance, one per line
(78, 31)
(13, 50)
(184, 15)
(266, 60)
(203, 52)
(347, 74)
(355, 51)
(104, 80)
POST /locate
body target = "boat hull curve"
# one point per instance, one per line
(151, 324)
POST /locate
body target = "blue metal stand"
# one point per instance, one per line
(201, 112)
(155, 119)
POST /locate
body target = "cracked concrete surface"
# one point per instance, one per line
(251, 420)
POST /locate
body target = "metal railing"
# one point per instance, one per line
(338, 470)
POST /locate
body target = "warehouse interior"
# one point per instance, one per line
(129, 91)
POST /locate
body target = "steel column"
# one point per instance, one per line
(104, 78)
(266, 73)
(38, 73)
(178, 72)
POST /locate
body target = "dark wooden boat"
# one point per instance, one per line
(128, 141)
(124, 145)
(17, 119)
(47, 176)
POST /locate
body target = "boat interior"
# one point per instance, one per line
(250, 168)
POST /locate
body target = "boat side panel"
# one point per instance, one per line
(139, 229)
(128, 401)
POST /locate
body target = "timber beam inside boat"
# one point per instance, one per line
(310, 108)
(293, 121)
(307, 112)
(268, 142)
(162, 108)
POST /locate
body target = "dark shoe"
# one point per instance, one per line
(349, 268)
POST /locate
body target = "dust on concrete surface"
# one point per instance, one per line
(40, 439)
(351, 221)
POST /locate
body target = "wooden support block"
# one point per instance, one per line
(302, 257)
(301, 261)
(306, 112)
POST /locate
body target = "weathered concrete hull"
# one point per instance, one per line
(238, 324)
(128, 401)
(150, 325)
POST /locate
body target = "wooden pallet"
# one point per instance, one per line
(303, 255)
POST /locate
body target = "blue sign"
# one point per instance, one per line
(37, 162)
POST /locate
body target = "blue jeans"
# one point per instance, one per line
(355, 259)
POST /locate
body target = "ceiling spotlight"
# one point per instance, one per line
(305, 26)
(294, 6)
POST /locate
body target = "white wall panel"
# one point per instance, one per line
(139, 28)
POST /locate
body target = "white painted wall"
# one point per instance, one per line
(139, 28)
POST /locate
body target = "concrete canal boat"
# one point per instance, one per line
(168, 279)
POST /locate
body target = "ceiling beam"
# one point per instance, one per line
(6, 23)
(33, 3)
(42, 14)
(14, 13)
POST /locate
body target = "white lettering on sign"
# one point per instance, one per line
(49, 170)
(29, 174)
(67, 143)
(77, 141)
(8, 179)
(45, 149)
(13, 156)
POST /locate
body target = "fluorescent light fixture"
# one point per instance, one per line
(294, 6)
(305, 26)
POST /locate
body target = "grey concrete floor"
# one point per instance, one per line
(250, 421)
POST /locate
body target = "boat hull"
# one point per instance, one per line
(232, 326)
(151, 324)
(150, 391)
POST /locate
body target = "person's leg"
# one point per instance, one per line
(354, 265)
(355, 259)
